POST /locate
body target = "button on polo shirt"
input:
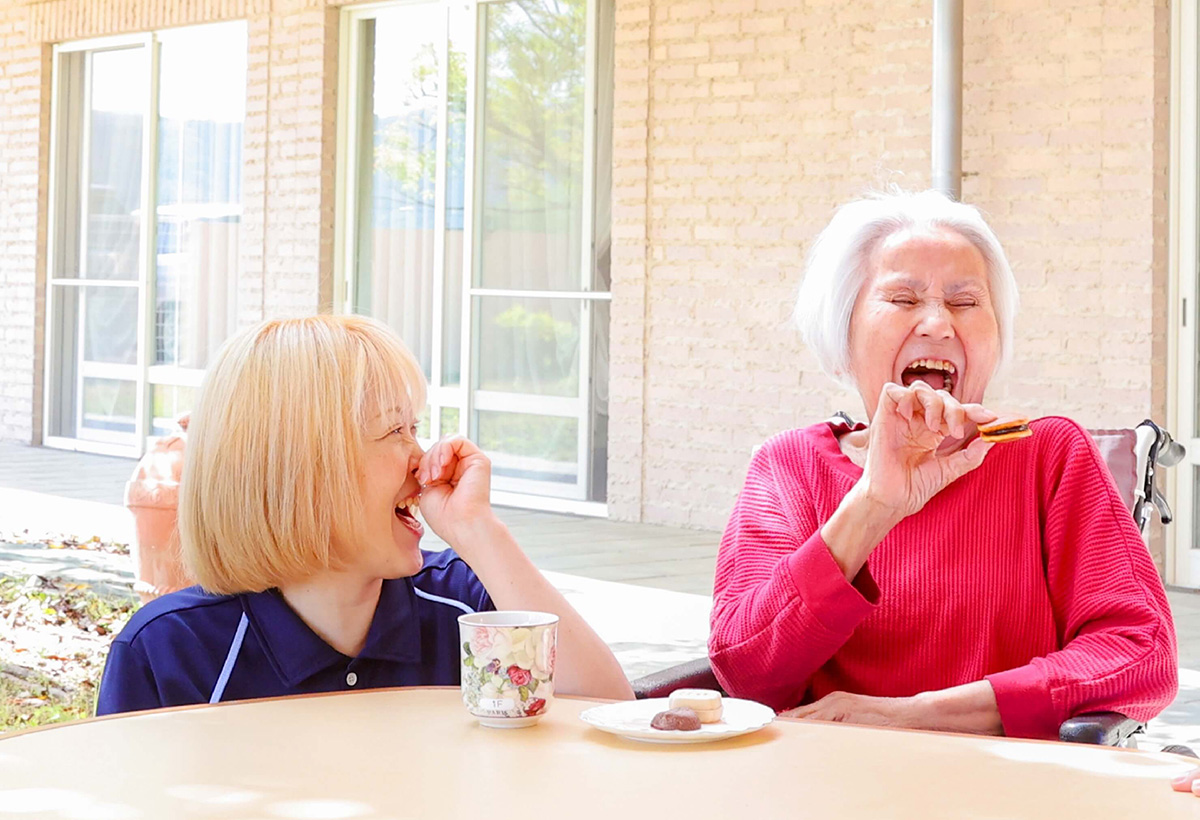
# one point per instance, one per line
(177, 649)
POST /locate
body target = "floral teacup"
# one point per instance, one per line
(508, 666)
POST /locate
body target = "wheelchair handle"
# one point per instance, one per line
(1170, 452)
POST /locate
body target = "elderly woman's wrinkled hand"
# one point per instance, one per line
(845, 707)
(1190, 782)
(906, 463)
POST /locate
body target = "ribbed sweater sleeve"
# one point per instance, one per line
(1112, 615)
(781, 605)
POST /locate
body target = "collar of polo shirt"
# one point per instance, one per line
(297, 653)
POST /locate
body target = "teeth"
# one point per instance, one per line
(934, 364)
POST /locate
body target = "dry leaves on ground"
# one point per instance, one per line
(54, 636)
(58, 541)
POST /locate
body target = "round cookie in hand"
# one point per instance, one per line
(678, 720)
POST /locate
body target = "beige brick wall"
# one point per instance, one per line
(738, 126)
(22, 162)
(1065, 144)
(286, 248)
(741, 125)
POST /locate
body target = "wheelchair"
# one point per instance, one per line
(1134, 456)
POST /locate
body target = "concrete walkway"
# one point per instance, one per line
(645, 589)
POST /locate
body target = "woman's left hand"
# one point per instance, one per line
(1190, 782)
(456, 481)
(844, 707)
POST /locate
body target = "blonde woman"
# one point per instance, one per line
(296, 518)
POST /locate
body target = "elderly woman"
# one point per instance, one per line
(906, 572)
(296, 517)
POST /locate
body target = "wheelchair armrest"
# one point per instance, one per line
(1099, 729)
(695, 674)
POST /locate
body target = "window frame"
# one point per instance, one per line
(64, 148)
(352, 101)
(1182, 559)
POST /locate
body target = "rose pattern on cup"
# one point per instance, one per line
(508, 672)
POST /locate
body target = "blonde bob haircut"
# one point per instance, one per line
(275, 447)
(838, 267)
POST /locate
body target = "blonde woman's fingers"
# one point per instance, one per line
(425, 467)
(432, 469)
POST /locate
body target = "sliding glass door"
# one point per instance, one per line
(472, 225)
(144, 214)
(96, 282)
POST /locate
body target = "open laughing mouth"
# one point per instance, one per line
(939, 374)
(406, 511)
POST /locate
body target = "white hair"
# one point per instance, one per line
(837, 268)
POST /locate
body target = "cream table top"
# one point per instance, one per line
(416, 753)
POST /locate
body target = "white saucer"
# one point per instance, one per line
(631, 719)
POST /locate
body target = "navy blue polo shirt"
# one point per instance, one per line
(184, 647)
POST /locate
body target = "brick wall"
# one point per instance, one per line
(738, 126)
(1065, 144)
(23, 132)
(741, 125)
(286, 251)
(301, 112)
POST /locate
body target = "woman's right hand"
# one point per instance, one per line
(1190, 782)
(907, 463)
(906, 466)
(456, 480)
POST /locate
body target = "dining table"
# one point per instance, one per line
(403, 754)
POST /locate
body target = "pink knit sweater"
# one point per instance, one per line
(1028, 572)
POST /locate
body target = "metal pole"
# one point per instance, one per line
(947, 96)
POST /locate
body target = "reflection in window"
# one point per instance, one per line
(199, 191)
(114, 194)
(201, 119)
(461, 31)
(397, 177)
(529, 345)
(533, 120)
(128, 332)
(450, 418)
(109, 405)
(483, 109)
(167, 403)
(110, 325)
(535, 448)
